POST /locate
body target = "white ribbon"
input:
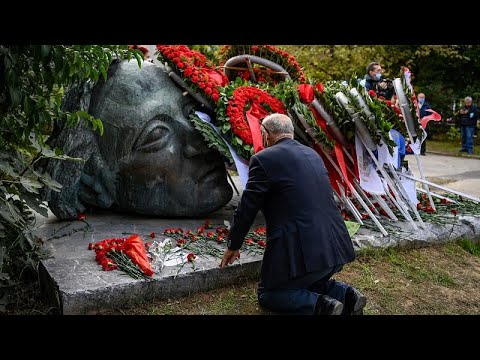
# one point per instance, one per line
(369, 179)
(240, 163)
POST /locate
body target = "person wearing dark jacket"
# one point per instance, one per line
(422, 107)
(468, 121)
(375, 81)
(307, 240)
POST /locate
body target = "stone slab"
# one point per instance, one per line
(76, 284)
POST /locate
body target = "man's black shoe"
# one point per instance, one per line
(355, 301)
(327, 305)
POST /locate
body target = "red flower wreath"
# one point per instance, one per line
(198, 72)
(246, 103)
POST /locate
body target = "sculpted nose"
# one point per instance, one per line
(195, 145)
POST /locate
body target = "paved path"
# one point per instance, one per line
(461, 173)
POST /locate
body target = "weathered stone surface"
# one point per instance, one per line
(72, 279)
(149, 161)
(466, 226)
(75, 283)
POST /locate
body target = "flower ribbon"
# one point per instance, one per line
(433, 116)
(217, 77)
(254, 116)
(135, 250)
(307, 95)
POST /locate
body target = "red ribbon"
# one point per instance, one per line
(135, 250)
(307, 95)
(433, 116)
(216, 77)
(306, 92)
(254, 116)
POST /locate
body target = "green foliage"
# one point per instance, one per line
(453, 133)
(287, 91)
(33, 79)
(210, 51)
(212, 138)
(470, 247)
(445, 73)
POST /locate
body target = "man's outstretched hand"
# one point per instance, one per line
(229, 256)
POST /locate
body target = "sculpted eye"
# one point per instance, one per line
(154, 137)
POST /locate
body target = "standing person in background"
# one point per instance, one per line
(422, 107)
(307, 240)
(468, 122)
(375, 81)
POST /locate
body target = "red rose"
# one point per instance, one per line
(320, 87)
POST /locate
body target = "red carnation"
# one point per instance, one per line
(320, 87)
(191, 257)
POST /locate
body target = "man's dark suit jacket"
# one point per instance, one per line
(423, 110)
(305, 230)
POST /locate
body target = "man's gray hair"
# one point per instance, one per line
(278, 124)
(468, 98)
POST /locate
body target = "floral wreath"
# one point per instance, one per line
(240, 113)
(239, 106)
(200, 74)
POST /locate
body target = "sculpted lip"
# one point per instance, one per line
(211, 173)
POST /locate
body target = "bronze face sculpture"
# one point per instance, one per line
(149, 161)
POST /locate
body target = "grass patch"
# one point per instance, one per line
(470, 247)
(451, 147)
